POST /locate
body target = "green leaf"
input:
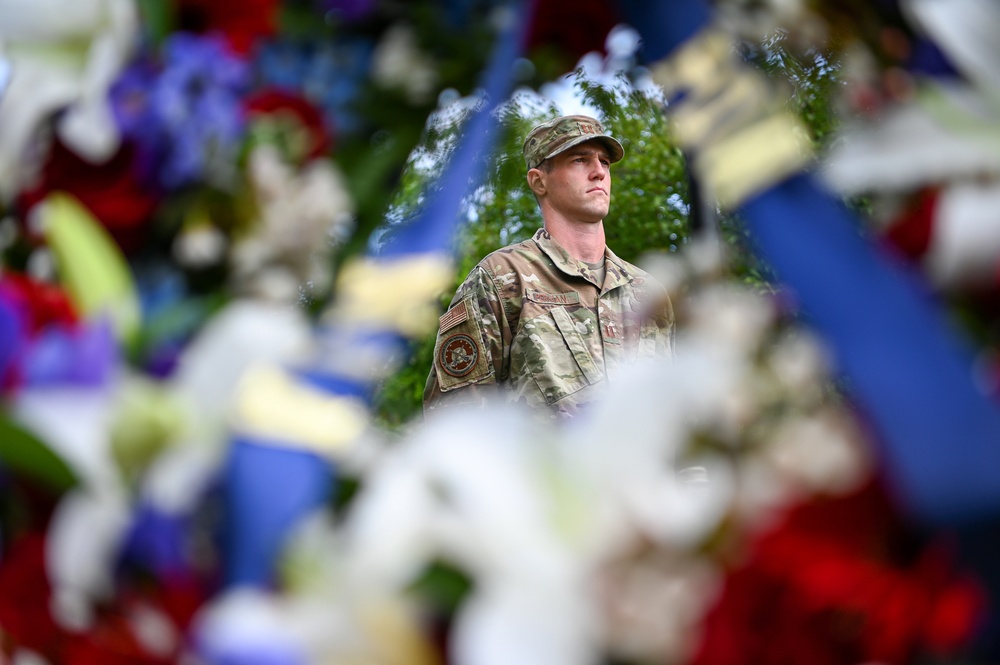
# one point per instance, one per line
(24, 453)
(158, 19)
(90, 265)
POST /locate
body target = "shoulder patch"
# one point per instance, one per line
(453, 317)
(458, 355)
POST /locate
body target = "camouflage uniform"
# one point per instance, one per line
(531, 324)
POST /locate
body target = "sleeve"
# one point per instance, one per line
(658, 324)
(664, 320)
(469, 352)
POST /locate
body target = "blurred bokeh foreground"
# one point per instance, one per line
(227, 231)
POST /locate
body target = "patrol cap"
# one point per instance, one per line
(559, 134)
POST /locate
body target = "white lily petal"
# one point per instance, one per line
(64, 54)
(50, 20)
(247, 624)
(34, 93)
(964, 29)
(387, 530)
(884, 156)
(75, 423)
(245, 333)
(681, 514)
(533, 623)
(966, 245)
(82, 547)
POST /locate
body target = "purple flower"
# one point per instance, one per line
(84, 356)
(349, 10)
(13, 335)
(187, 113)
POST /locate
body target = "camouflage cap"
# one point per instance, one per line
(552, 137)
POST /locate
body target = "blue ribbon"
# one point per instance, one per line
(940, 436)
(270, 487)
(159, 540)
(434, 228)
(664, 25)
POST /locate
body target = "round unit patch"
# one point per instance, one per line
(458, 355)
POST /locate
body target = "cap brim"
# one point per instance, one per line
(615, 149)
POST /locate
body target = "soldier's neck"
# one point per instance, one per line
(584, 242)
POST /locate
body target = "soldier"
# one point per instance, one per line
(549, 322)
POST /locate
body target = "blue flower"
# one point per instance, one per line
(187, 113)
(330, 75)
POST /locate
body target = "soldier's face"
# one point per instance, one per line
(579, 185)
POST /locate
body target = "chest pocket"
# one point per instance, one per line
(574, 340)
(552, 350)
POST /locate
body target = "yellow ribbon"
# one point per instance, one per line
(275, 406)
(732, 123)
(393, 294)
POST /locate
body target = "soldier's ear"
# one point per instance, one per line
(536, 181)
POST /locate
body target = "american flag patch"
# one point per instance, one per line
(453, 317)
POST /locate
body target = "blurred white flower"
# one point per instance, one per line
(75, 422)
(199, 246)
(64, 56)
(301, 215)
(399, 63)
(735, 317)
(966, 240)
(582, 539)
(82, 546)
(958, 138)
(965, 30)
(654, 601)
(821, 453)
(799, 362)
(243, 334)
(474, 488)
(539, 623)
(760, 494)
(246, 621)
(630, 443)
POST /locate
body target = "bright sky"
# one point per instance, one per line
(621, 46)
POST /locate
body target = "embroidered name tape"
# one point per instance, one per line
(543, 298)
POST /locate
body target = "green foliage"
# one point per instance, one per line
(23, 453)
(649, 199)
(810, 78)
(651, 202)
(401, 398)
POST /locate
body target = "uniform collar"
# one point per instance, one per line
(617, 273)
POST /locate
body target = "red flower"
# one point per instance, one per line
(838, 583)
(40, 304)
(109, 190)
(24, 599)
(26, 619)
(573, 28)
(912, 232)
(281, 105)
(243, 23)
(26, 308)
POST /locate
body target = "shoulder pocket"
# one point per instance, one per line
(459, 356)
